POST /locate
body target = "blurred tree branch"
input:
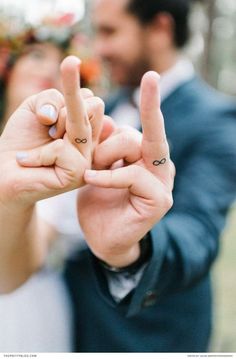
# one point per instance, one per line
(210, 12)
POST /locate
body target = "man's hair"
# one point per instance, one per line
(146, 10)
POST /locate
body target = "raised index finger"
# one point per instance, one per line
(155, 147)
(77, 125)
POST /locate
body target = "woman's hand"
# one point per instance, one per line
(44, 150)
(48, 142)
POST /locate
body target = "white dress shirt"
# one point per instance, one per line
(127, 113)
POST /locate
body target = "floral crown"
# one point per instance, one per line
(62, 31)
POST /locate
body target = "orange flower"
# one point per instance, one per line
(90, 70)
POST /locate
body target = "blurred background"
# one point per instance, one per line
(213, 51)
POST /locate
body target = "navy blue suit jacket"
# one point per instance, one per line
(170, 310)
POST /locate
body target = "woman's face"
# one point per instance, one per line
(36, 70)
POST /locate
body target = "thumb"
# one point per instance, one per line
(42, 156)
(60, 153)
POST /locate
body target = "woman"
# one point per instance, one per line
(38, 53)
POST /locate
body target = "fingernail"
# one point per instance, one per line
(158, 76)
(48, 111)
(154, 74)
(21, 156)
(90, 173)
(52, 131)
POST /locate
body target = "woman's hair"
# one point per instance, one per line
(15, 38)
(61, 31)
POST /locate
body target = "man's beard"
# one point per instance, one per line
(131, 74)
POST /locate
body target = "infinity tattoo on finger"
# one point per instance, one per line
(159, 162)
(79, 140)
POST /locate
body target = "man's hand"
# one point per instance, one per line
(120, 205)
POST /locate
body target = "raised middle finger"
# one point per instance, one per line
(77, 124)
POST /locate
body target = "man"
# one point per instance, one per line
(161, 303)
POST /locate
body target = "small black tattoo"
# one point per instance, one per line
(79, 140)
(158, 163)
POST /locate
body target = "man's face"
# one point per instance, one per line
(120, 41)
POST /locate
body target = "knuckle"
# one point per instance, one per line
(53, 93)
(62, 116)
(58, 145)
(30, 102)
(99, 104)
(51, 96)
(20, 190)
(168, 201)
(130, 137)
(86, 92)
(100, 156)
(96, 104)
(163, 147)
(173, 169)
(126, 138)
(31, 98)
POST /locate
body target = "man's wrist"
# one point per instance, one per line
(123, 259)
(144, 255)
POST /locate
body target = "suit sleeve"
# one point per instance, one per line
(186, 242)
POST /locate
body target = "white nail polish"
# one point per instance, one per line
(21, 156)
(48, 111)
(91, 173)
(52, 131)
